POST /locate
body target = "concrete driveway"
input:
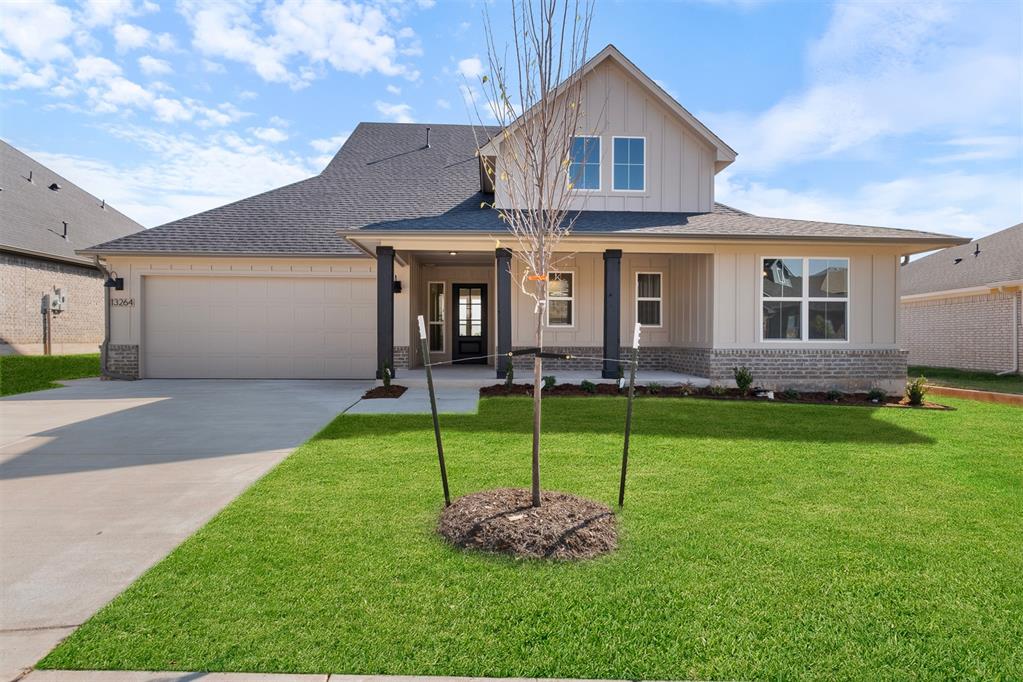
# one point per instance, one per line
(99, 480)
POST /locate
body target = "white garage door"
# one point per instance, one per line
(259, 327)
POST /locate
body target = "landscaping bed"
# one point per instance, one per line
(710, 392)
(392, 391)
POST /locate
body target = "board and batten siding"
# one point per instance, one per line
(873, 297)
(679, 163)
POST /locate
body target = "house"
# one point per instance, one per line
(44, 220)
(961, 306)
(325, 277)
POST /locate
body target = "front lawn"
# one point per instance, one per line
(981, 381)
(758, 541)
(24, 373)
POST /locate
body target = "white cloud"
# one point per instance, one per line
(399, 113)
(106, 12)
(130, 37)
(271, 135)
(170, 110)
(983, 148)
(443, 104)
(393, 89)
(247, 95)
(121, 91)
(470, 67)
(151, 66)
(164, 42)
(36, 30)
(17, 74)
(329, 144)
(89, 69)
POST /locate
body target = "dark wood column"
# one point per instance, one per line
(385, 309)
(502, 263)
(612, 311)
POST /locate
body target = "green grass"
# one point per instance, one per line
(957, 378)
(24, 373)
(759, 541)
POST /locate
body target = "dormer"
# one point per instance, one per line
(636, 149)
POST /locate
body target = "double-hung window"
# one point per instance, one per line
(805, 299)
(648, 299)
(560, 299)
(435, 310)
(584, 163)
(629, 164)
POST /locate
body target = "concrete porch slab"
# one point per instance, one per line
(478, 376)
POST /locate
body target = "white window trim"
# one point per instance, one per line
(547, 306)
(600, 166)
(628, 137)
(659, 299)
(804, 301)
(441, 323)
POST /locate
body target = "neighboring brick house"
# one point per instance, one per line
(962, 307)
(44, 218)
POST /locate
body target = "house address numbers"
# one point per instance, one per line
(122, 302)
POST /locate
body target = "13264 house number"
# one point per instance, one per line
(122, 302)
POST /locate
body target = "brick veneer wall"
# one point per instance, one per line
(123, 360)
(969, 332)
(401, 357)
(23, 283)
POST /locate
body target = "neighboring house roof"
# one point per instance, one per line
(385, 179)
(32, 215)
(1000, 260)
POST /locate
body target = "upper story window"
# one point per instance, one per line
(584, 163)
(629, 164)
(648, 299)
(805, 299)
(560, 299)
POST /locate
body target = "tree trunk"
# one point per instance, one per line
(537, 389)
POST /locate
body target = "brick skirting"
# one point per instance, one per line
(401, 357)
(123, 360)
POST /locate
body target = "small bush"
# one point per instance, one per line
(790, 394)
(549, 382)
(743, 379)
(916, 390)
(509, 378)
(385, 374)
(877, 395)
(834, 395)
(653, 388)
(588, 386)
(687, 388)
(717, 390)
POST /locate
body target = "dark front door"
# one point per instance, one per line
(470, 318)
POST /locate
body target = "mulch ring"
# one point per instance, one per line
(392, 391)
(503, 521)
(712, 392)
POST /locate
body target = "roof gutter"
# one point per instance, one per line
(220, 254)
(48, 256)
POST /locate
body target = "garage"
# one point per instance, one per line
(259, 327)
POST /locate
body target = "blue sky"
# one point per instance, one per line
(886, 113)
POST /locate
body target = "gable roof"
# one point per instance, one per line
(385, 179)
(32, 215)
(1000, 260)
(725, 155)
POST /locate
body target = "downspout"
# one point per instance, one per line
(1017, 300)
(104, 354)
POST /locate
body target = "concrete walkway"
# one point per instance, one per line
(100, 480)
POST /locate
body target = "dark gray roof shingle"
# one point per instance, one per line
(384, 178)
(1000, 260)
(32, 215)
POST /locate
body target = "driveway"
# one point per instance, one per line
(100, 480)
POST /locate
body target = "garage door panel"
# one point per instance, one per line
(258, 327)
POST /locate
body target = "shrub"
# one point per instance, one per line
(687, 388)
(790, 394)
(549, 382)
(385, 374)
(509, 378)
(834, 395)
(877, 395)
(717, 390)
(588, 386)
(653, 388)
(916, 390)
(743, 379)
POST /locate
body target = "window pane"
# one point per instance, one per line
(591, 177)
(827, 320)
(559, 285)
(649, 285)
(436, 313)
(584, 163)
(648, 312)
(621, 150)
(621, 176)
(782, 319)
(559, 312)
(636, 151)
(436, 337)
(829, 278)
(575, 174)
(635, 177)
(783, 277)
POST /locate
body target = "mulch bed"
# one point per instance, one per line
(392, 391)
(503, 521)
(715, 393)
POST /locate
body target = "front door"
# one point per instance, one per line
(470, 318)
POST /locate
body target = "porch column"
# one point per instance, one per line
(612, 311)
(502, 263)
(385, 309)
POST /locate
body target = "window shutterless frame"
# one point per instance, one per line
(804, 299)
(570, 298)
(600, 165)
(438, 321)
(659, 299)
(614, 162)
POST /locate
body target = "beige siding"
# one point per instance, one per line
(679, 163)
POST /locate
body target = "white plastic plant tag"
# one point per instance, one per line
(635, 338)
(422, 328)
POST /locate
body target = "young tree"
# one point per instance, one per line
(536, 98)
